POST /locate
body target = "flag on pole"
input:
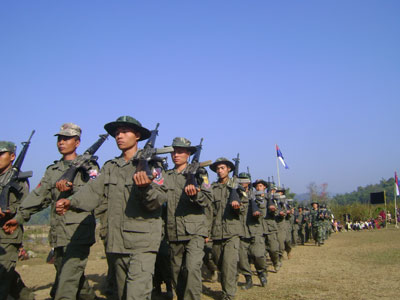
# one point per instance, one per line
(280, 157)
(397, 184)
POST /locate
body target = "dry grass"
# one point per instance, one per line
(353, 265)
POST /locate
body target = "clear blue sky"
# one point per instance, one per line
(319, 78)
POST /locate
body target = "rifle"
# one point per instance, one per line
(9, 183)
(149, 153)
(233, 195)
(252, 198)
(82, 161)
(191, 170)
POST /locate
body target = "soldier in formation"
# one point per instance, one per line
(138, 203)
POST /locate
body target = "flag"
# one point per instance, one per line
(397, 184)
(280, 157)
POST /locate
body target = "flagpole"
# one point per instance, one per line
(277, 167)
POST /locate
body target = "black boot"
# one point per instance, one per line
(249, 283)
(263, 279)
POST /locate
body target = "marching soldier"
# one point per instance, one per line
(186, 221)
(71, 235)
(227, 226)
(133, 209)
(252, 244)
(316, 227)
(301, 224)
(10, 281)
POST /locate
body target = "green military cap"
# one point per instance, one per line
(301, 206)
(69, 129)
(272, 186)
(281, 189)
(312, 202)
(182, 142)
(222, 160)
(7, 147)
(262, 181)
(244, 177)
(127, 121)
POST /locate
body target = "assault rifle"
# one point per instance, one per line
(192, 169)
(252, 198)
(10, 183)
(233, 195)
(82, 161)
(149, 153)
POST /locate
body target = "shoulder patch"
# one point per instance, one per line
(158, 178)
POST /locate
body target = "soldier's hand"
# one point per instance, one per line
(10, 226)
(62, 206)
(4, 213)
(64, 185)
(235, 205)
(256, 214)
(272, 208)
(206, 240)
(281, 213)
(141, 179)
(191, 190)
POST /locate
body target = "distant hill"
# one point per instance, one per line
(362, 194)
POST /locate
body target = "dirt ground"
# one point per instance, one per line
(351, 265)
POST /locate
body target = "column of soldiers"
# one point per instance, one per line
(151, 216)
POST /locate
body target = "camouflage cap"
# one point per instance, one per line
(69, 129)
(312, 202)
(244, 177)
(7, 147)
(127, 121)
(182, 142)
(262, 181)
(272, 186)
(222, 160)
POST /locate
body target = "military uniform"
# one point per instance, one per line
(186, 227)
(252, 244)
(10, 281)
(316, 226)
(301, 225)
(271, 230)
(133, 217)
(227, 228)
(70, 235)
(281, 224)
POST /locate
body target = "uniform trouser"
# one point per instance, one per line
(70, 282)
(208, 259)
(288, 240)
(134, 274)
(295, 234)
(111, 284)
(186, 262)
(281, 240)
(226, 257)
(272, 246)
(10, 281)
(307, 230)
(253, 248)
(317, 233)
(301, 233)
(162, 270)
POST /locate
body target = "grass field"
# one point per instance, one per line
(351, 265)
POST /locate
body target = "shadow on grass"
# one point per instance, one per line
(211, 293)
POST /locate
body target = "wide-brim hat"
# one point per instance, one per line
(127, 121)
(222, 160)
(181, 142)
(262, 181)
(312, 202)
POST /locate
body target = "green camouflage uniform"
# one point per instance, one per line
(70, 235)
(271, 230)
(187, 227)
(316, 226)
(10, 281)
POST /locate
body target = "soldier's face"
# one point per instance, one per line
(67, 144)
(223, 171)
(126, 138)
(245, 185)
(6, 159)
(315, 205)
(260, 187)
(180, 156)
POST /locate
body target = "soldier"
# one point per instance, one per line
(301, 224)
(133, 209)
(186, 222)
(295, 226)
(280, 219)
(71, 235)
(307, 224)
(10, 281)
(227, 226)
(288, 222)
(252, 244)
(270, 226)
(316, 228)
